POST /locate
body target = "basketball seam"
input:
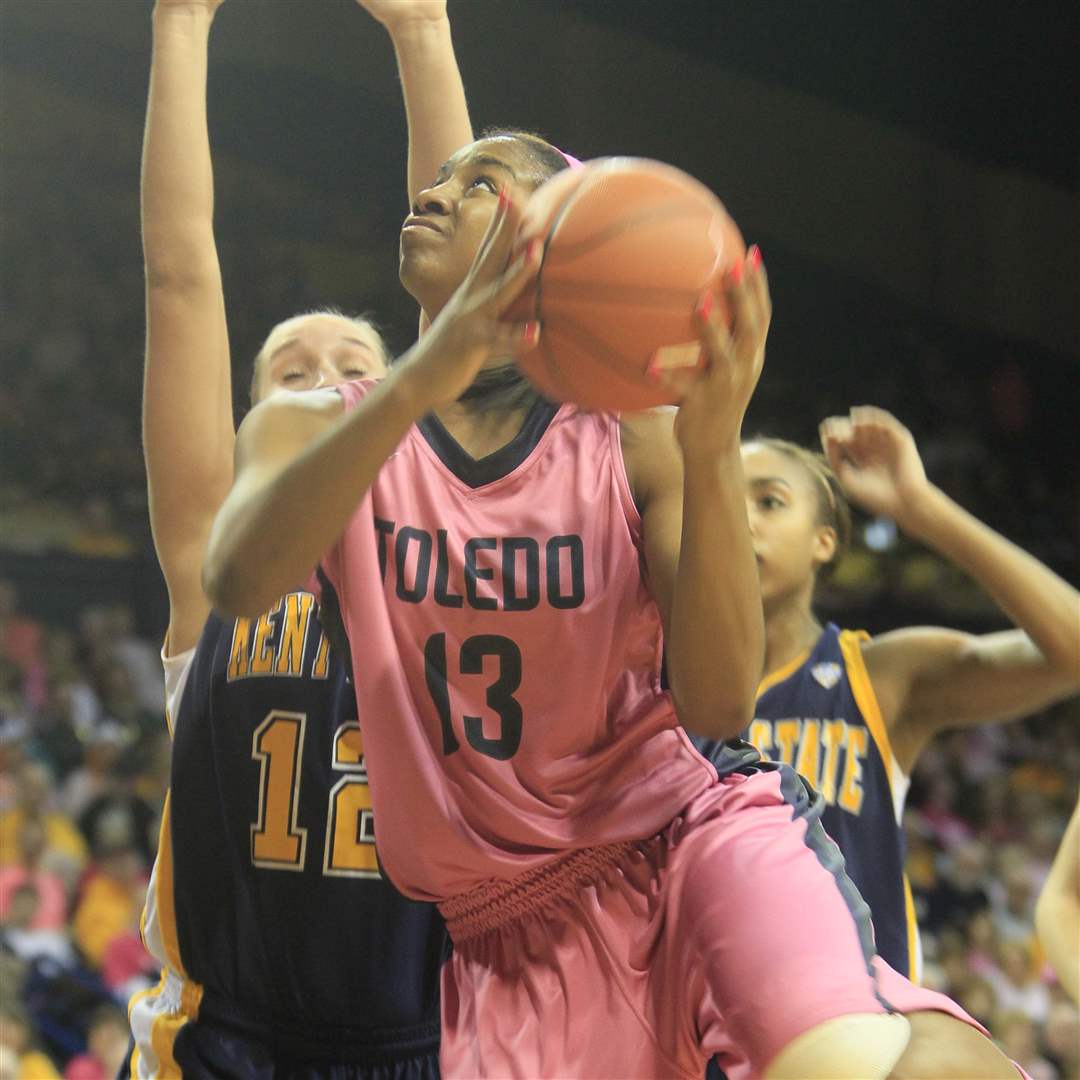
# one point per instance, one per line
(583, 247)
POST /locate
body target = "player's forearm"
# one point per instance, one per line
(1035, 598)
(717, 636)
(1057, 921)
(435, 106)
(272, 530)
(177, 179)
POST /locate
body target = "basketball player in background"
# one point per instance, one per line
(283, 948)
(852, 713)
(502, 574)
(1057, 913)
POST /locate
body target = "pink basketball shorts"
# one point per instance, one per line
(729, 934)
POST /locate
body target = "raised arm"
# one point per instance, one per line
(187, 397)
(930, 678)
(435, 106)
(686, 471)
(1057, 913)
(302, 467)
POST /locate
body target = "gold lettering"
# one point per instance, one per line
(809, 751)
(239, 650)
(786, 733)
(760, 735)
(851, 793)
(321, 665)
(834, 736)
(262, 653)
(294, 628)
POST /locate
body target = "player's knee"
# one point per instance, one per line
(942, 1045)
(863, 1046)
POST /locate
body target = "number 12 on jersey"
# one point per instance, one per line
(278, 841)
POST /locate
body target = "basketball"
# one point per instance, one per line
(629, 244)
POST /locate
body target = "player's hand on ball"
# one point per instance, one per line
(468, 332)
(876, 461)
(395, 13)
(711, 411)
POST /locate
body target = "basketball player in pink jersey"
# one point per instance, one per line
(266, 994)
(503, 569)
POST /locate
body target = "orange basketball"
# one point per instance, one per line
(629, 246)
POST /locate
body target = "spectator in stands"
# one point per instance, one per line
(29, 943)
(1016, 983)
(102, 747)
(16, 1036)
(65, 849)
(51, 898)
(1061, 1040)
(69, 684)
(106, 1047)
(20, 640)
(111, 899)
(959, 892)
(1019, 1038)
(121, 706)
(1012, 897)
(142, 660)
(120, 812)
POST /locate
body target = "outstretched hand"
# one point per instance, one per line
(876, 461)
(468, 332)
(395, 13)
(210, 6)
(712, 409)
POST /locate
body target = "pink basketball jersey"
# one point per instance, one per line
(506, 654)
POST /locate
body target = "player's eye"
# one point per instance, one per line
(486, 182)
(770, 502)
(291, 376)
(355, 372)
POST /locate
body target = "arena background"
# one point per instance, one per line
(911, 172)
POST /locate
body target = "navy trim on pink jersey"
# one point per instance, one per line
(475, 472)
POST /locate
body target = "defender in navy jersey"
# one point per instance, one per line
(283, 945)
(852, 713)
(284, 952)
(819, 714)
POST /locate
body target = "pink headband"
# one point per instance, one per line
(570, 159)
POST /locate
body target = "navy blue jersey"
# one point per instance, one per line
(819, 714)
(267, 893)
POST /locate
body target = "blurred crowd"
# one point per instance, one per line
(84, 762)
(985, 816)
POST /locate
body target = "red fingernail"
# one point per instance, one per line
(735, 273)
(754, 256)
(504, 198)
(704, 305)
(531, 333)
